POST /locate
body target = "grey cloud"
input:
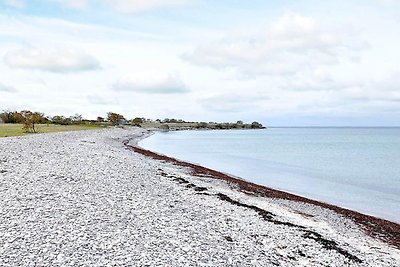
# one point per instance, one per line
(6, 88)
(53, 60)
(170, 85)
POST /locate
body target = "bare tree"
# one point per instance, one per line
(30, 119)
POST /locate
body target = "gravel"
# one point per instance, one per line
(83, 199)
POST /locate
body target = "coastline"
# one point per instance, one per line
(382, 229)
(85, 198)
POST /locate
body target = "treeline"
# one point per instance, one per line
(40, 118)
(29, 119)
(211, 125)
(229, 125)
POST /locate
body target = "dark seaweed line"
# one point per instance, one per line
(384, 230)
(269, 217)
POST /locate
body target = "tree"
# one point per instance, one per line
(256, 125)
(30, 119)
(114, 118)
(77, 118)
(11, 117)
(17, 116)
(137, 121)
(6, 116)
(100, 119)
(61, 120)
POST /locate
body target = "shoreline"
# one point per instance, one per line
(105, 204)
(381, 229)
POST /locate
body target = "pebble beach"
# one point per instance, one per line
(88, 198)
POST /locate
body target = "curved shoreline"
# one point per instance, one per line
(375, 227)
(84, 198)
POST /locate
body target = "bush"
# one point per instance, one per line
(61, 120)
(137, 121)
(114, 118)
(11, 117)
(202, 125)
(164, 127)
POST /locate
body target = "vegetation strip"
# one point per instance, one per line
(384, 230)
(15, 123)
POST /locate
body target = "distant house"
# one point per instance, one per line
(123, 122)
(1, 120)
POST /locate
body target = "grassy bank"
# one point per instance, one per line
(7, 129)
(184, 125)
(202, 125)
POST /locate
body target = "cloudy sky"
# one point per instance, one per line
(286, 62)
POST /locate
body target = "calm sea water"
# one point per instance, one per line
(356, 168)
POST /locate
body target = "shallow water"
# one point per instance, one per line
(356, 168)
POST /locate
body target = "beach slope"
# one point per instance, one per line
(86, 198)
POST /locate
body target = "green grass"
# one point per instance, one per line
(8, 129)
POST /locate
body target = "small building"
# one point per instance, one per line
(123, 122)
(1, 120)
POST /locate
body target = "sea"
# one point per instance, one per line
(354, 168)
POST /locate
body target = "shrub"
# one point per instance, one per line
(137, 121)
(202, 125)
(114, 118)
(164, 127)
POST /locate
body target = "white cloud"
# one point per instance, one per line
(389, 84)
(388, 2)
(233, 102)
(100, 100)
(316, 81)
(53, 60)
(15, 3)
(293, 42)
(162, 85)
(6, 88)
(78, 4)
(123, 6)
(132, 6)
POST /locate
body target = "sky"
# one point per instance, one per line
(283, 63)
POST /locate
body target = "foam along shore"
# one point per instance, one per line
(87, 198)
